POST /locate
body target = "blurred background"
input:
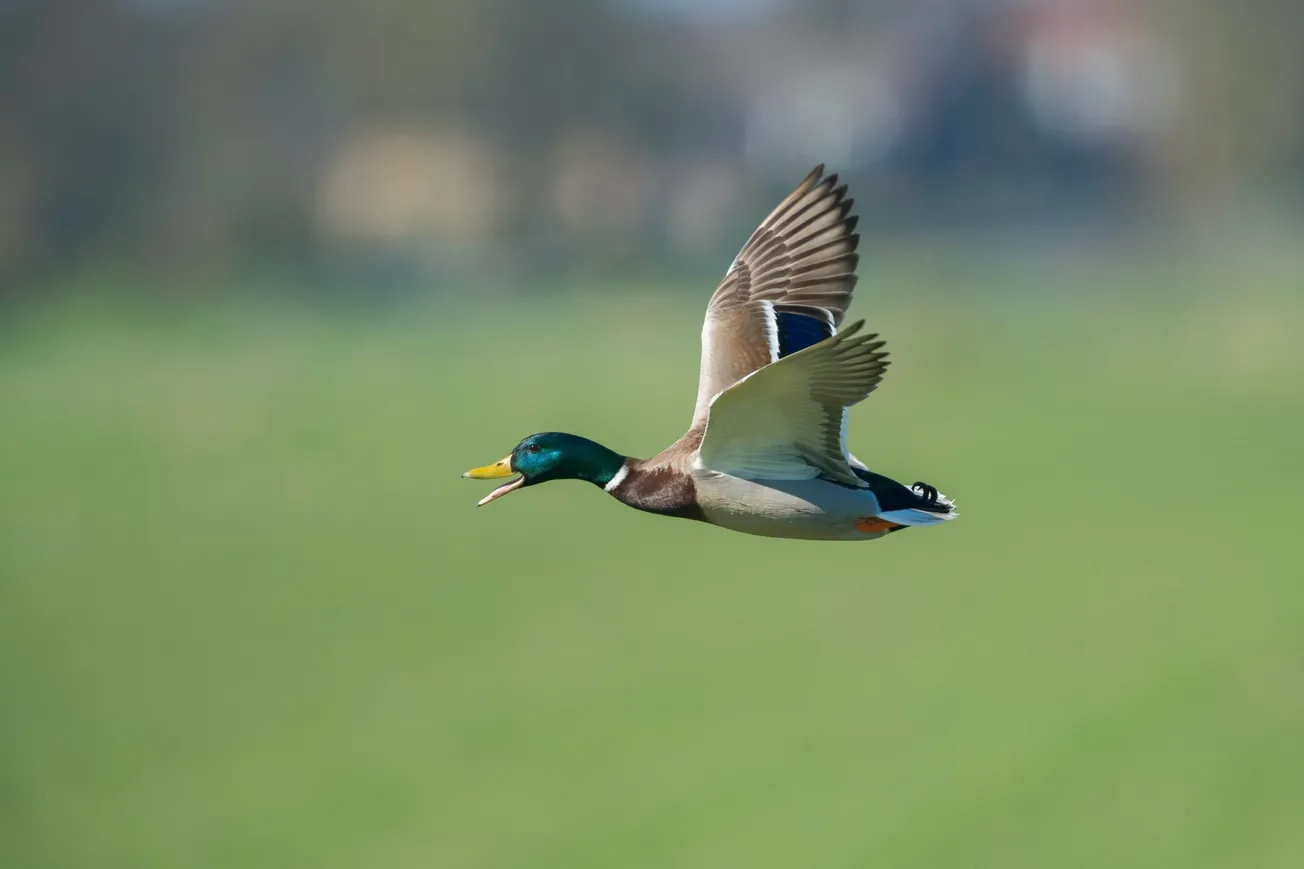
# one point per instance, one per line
(272, 274)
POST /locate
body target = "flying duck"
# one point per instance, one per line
(766, 453)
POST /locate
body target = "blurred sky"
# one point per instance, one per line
(460, 135)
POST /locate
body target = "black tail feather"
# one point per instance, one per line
(892, 495)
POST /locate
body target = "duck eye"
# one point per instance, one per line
(532, 448)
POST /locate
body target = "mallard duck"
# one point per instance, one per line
(766, 453)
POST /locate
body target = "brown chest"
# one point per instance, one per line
(663, 490)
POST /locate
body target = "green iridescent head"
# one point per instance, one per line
(548, 456)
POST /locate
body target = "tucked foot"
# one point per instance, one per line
(874, 524)
(925, 491)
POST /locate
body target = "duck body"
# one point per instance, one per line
(799, 509)
(808, 509)
(766, 452)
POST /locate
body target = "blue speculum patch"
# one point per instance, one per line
(797, 332)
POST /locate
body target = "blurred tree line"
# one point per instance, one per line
(207, 133)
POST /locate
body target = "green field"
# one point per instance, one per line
(250, 618)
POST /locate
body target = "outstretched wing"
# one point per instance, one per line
(787, 290)
(787, 421)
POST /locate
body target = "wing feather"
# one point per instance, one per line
(788, 420)
(801, 260)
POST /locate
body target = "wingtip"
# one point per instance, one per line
(814, 178)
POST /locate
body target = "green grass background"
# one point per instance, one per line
(249, 616)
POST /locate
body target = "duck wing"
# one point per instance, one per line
(788, 288)
(788, 420)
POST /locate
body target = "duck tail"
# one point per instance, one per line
(920, 504)
(931, 508)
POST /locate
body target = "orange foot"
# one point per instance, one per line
(874, 524)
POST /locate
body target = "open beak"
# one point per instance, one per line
(498, 470)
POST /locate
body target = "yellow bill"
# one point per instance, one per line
(499, 469)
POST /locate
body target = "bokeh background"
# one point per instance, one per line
(274, 272)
